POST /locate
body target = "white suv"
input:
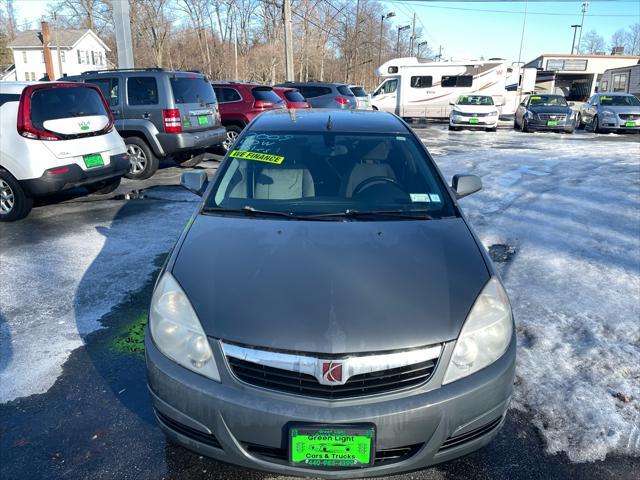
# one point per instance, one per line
(55, 136)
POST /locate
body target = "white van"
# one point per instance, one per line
(419, 88)
(55, 136)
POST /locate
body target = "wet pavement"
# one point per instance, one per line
(96, 420)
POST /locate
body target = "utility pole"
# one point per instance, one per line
(288, 41)
(355, 40)
(585, 7)
(55, 26)
(573, 43)
(413, 34)
(122, 24)
(46, 51)
(235, 51)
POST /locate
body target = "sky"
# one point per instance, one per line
(467, 30)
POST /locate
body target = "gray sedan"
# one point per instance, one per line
(328, 311)
(611, 111)
(325, 94)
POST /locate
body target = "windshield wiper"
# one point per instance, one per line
(250, 211)
(413, 214)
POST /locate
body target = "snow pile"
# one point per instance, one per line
(570, 207)
(63, 283)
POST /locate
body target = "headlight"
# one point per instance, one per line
(529, 115)
(608, 113)
(485, 335)
(493, 114)
(176, 330)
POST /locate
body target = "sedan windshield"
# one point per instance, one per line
(329, 174)
(547, 101)
(619, 101)
(475, 100)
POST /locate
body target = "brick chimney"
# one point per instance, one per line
(48, 61)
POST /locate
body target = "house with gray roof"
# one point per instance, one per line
(72, 52)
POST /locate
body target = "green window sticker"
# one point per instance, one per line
(536, 98)
(257, 156)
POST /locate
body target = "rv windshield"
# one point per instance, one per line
(619, 101)
(547, 101)
(475, 100)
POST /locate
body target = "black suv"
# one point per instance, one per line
(160, 114)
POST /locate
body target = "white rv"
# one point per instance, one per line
(415, 87)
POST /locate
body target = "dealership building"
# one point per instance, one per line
(577, 77)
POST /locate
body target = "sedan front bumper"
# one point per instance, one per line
(618, 123)
(247, 426)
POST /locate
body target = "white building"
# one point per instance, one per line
(577, 77)
(80, 50)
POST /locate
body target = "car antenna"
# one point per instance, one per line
(329, 124)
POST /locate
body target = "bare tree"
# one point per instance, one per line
(620, 38)
(592, 43)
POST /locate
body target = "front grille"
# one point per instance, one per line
(629, 116)
(458, 440)
(383, 457)
(557, 116)
(464, 114)
(197, 435)
(358, 385)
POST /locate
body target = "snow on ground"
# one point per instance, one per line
(570, 207)
(57, 287)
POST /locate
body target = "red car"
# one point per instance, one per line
(239, 103)
(292, 97)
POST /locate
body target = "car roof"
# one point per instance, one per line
(18, 87)
(615, 94)
(352, 121)
(313, 84)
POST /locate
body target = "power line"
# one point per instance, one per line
(423, 3)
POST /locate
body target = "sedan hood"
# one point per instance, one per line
(551, 110)
(475, 108)
(330, 287)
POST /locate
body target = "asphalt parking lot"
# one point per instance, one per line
(560, 215)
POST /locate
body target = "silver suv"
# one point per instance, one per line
(160, 114)
(325, 95)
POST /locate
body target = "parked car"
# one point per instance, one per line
(363, 100)
(55, 136)
(545, 112)
(292, 97)
(406, 348)
(160, 114)
(240, 103)
(474, 111)
(325, 95)
(611, 111)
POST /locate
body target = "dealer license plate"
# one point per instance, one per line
(630, 124)
(473, 120)
(93, 160)
(203, 120)
(552, 123)
(332, 446)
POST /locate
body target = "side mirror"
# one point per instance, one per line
(522, 104)
(451, 103)
(195, 181)
(465, 185)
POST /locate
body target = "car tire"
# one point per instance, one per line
(143, 162)
(233, 131)
(452, 128)
(595, 124)
(569, 130)
(579, 122)
(14, 202)
(525, 127)
(104, 188)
